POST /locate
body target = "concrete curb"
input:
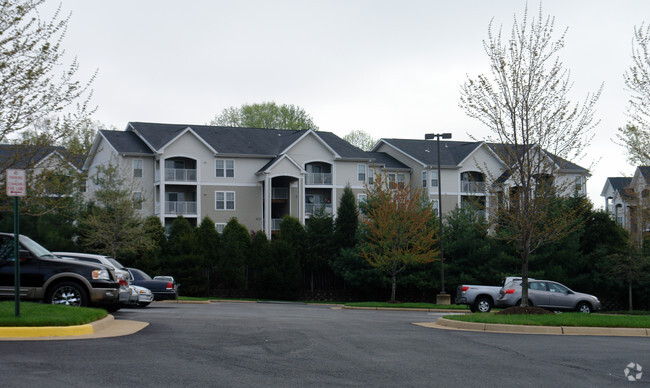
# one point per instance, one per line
(450, 324)
(103, 328)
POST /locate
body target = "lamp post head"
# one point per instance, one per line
(431, 136)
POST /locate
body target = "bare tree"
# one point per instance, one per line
(635, 136)
(35, 84)
(535, 130)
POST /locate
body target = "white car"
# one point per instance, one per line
(145, 296)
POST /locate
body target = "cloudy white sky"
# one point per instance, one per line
(391, 68)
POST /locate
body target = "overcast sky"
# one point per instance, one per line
(390, 68)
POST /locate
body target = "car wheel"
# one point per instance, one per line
(68, 293)
(483, 304)
(584, 307)
(143, 304)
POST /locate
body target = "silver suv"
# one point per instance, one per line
(549, 295)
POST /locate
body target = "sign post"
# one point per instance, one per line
(16, 187)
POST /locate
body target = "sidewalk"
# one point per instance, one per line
(450, 324)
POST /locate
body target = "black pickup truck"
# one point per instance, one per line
(51, 279)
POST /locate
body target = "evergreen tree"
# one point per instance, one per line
(347, 220)
(260, 260)
(209, 248)
(321, 249)
(236, 243)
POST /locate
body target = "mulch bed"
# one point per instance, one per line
(524, 310)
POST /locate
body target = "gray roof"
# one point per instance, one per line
(28, 156)
(243, 141)
(645, 172)
(126, 142)
(452, 153)
(619, 183)
(383, 159)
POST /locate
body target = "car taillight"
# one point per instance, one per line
(510, 291)
(465, 288)
(170, 285)
(123, 282)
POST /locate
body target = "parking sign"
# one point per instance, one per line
(16, 184)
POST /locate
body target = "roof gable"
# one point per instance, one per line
(452, 153)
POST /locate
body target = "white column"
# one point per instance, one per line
(267, 205)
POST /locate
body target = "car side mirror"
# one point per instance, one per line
(25, 255)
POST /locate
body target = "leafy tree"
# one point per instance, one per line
(265, 115)
(636, 135)
(525, 105)
(347, 220)
(360, 139)
(472, 255)
(321, 249)
(236, 243)
(400, 229)
(112, 225)
(34, 82)
(149, 258)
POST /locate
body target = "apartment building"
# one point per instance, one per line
(259, 175)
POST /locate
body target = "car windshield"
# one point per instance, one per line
(139, 275)
(35, 247)
(115, 263)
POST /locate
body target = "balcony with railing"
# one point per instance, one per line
(180, 174)
(311, 208)
(180, 207)
(472, 187)
(318, 178)
(280, 193)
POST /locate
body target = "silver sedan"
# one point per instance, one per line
(549, 295)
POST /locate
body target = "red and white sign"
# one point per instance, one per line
(16, 183)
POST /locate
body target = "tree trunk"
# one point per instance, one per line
(392, 293)
(629, 294)
(525, 256)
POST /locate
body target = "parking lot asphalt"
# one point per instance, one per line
(110, 327)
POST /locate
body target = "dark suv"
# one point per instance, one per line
(51, 279)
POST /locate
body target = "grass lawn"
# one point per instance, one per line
(564, 319)
(40, 314)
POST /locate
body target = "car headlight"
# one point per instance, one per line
(101, 274)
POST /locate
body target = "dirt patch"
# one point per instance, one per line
(524, 310)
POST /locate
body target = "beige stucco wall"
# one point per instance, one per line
(248, 205)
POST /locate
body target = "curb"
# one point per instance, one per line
(56, 331)
(450, 324)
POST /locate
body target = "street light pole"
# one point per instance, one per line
(437, 136)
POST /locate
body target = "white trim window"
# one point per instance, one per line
(137, 168)
(436, 208)
(224, 200)
(424, 178)
(579, 181)
(371, 176)
(434, 178)
(401, 180)
(137, 200)
(219, 226)
(225, 168)
(391, 180)
(362, 198)
(361, 172)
